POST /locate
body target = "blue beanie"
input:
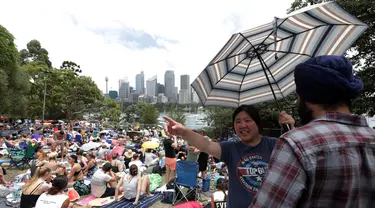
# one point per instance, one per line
(327, 80)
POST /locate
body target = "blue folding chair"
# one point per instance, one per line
(186, 177)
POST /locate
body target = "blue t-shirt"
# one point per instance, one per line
(246, 166)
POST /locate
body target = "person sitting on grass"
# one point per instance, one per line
(92, 166)
(133, 185)
(37, 185)
(55, 196)
(76, 176)
(102, 182)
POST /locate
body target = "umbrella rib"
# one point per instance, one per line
(243, 78)
(303, 54)
(273, 31)
(269, 71)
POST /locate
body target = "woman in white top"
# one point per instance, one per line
(136, 161)
(132, 185)
(150, 158)
(55, 197)
(220, 196)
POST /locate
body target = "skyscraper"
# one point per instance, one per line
(169, 83)
(151, 86)
(160, 89)
(185, 82)
(183, 96)
(124, 89)
(185, 89)
(140, 83)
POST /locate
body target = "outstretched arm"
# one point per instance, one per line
(193, 138)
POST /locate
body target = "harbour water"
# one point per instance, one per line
(193, 121)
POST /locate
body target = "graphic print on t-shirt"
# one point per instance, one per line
(250, 171)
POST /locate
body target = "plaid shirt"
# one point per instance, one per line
(328, 163)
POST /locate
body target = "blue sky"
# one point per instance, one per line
(120, 38)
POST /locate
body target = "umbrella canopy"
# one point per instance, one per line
(257, 65)
(90, 146)
(150, 145)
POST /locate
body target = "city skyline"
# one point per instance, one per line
(117, 39)
(156, 90)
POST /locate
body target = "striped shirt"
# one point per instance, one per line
(329, 162)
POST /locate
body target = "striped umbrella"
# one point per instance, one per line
(257, 65)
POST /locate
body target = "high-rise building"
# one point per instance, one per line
(160, 88)
(134, 97)
(185, 97)
(124, 90)
(140, 83)
(151, 86)
(185, 82)
(169, 83)
(113, 94)
(174, 97)
(131, 89)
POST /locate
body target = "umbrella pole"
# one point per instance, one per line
(269, 82)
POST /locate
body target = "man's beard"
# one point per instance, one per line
(304, 112)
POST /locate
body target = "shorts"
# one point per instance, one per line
(108, 192)
(170, 163)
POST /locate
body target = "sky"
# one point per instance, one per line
(120, 39)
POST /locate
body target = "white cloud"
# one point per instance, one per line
(121, 38)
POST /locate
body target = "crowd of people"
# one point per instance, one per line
(325, 162)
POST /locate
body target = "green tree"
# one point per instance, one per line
(362, 51)
(220, 119)
(67, 96)
(35, 53)
(147, 113)
(177, 114)
(70, 65)
(14, 82)
(130, 113)
(111, 110)
(365, 104)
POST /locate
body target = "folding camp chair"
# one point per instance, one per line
(16, 157)
(21, 158)
(186, 178)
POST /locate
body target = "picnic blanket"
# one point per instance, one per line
(144, 203)
(99, 202)
(86, 200)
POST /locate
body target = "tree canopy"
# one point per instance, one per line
(362, 52)
(25, 75)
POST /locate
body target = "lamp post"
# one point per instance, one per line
(45, 91)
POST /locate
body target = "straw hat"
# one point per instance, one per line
(129, 153)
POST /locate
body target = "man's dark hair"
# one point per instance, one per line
(106, 167)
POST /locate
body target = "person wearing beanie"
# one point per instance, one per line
(329, 161)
